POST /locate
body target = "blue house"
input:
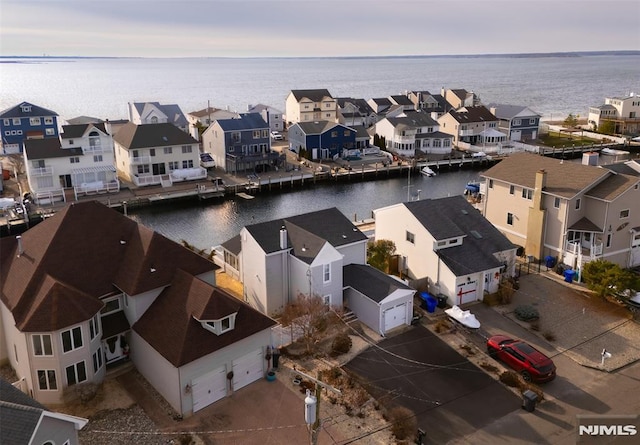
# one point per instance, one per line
(517, 121)
(241, 144)
(26, 121)
(322, 139)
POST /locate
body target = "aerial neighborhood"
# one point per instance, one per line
(88, 288)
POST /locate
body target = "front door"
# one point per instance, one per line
(158, 169)
(65, 181)
(635, 251)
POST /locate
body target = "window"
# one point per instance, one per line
(527, 193)
(265, 133)
(225, 324)
(42, 344)
(97, 158)
(187, 164)
(256, 134)
(512, 189)
(168, 150)
(510, 219)
(221, 326)
(142, 169)
(326, 273)
(7, 122)
(72, 339)
(94, 326)
(532, 121)
(48, 121)
(70, 141)
(556, 203)
(38, 163)
(152, 152)
(174, 165)
(608, 240)
(490, 183)
(187, 149)
(154, 119)
(624, 213)
(578, 204)
(74, 160)
(135, 153)
(517, 122)
(410, 237)
(112, 305)
(327, 299)
(18, 131)
(16, 121)
(15, 352)
(334, 134)
(34, 121)
(347, 133)
(97, 360)
(76, 373)
(47, 380)
(7, 132)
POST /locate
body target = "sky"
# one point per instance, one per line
(314, 28)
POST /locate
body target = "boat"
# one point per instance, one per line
(426, 171)
(465, 318)
(613, 152)
(472, 188)
(206, 160)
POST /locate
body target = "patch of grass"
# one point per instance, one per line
(468, 349)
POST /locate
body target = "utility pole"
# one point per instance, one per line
(315, 426)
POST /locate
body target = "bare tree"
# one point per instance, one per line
(15, 162)
(309, 316)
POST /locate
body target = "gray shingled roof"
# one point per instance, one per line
(413, 120)
(77, 131)
(467, 115)
(400, 100)
(173, 112)
(19, 414)
(370, 281)
(314, 95)
(564, 179)
(246, 121)
(454, 217)
(317, 127)
(16, 111)
(504, 111)
(132, 136)
(48, 148)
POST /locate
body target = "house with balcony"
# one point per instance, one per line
(310, 106)
(355, 112)
(200, 120)
(518, 122)
(434, 104)
(460, 97)
(413, 134)
(471, 126)
(448, 246)
(156, 154)
(89, 288)
(272, 116)
(141, 113)
(321, 139)
(621, 113)
(25, 121)
(81, 161)
(574, 212)
(242, 144)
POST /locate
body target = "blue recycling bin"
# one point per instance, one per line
(550, 261)
(429, 302)
(568, 275)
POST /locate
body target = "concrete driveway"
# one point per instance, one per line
(449, 395)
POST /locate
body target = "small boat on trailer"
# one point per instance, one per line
(465, 318)
(426, 171)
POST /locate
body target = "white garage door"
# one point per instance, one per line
(467, 292)
(395, 317)
(248, 369)
(516, 135)
(209, 388)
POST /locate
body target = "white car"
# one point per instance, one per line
(276, 136)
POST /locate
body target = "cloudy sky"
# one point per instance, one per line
(315, 28)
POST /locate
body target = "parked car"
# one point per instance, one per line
(276, 136)
(532, 364)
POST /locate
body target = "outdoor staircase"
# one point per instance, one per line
(349, 317)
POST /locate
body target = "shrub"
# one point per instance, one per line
(488, 367)
(491, 299)
(526, 313)
(403, 422)
(549, 336)
(341, 344)
(82, 392)
(442, 326)
(511, 379)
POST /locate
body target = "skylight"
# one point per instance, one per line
(476, 234)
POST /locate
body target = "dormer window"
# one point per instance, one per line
(26, 108)
(221, 325)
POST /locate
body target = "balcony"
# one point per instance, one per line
(467, 133)
(188, 174)
(143, 180)
(576, 254)
(41, 171)
(140, 160)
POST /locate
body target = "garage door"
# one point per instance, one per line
(209, 388)
(248, 369)
(467, 292)
(516, 135)
(395, 317)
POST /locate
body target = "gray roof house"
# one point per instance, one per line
(448, 245)
(518, 122)
(156, 113)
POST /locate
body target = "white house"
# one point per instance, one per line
(203, 118)
(413, 133)
(448, 243)
(622, 112)
(154, 113)
(272, 116)
(311, 106)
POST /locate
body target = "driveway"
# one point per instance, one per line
(449, 395)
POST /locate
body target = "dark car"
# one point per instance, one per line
(532, 364)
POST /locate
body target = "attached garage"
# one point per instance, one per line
(466, 292)
(395, 316)
(209, 388)
(248, 369)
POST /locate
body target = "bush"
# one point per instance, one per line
(511, 379)
(341, 344)
(403, 422)
(526, 313)
(549, 336)
(82, 392)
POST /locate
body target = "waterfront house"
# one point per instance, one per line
(355, 112)
(153, 154)
(518, 122)
(271, 116)
(319, 254)
(434, 104)
(201, 119)
(154, 113)
(81, 160)
(241, 144)
(471, 126)
(570, 211)
(622, 114)
(459, 98)
(88, 289)
(310, 106)
(25, 421)
(25, 121)
(402, 101)
(321, 139)
(447, 246)
(413, 133)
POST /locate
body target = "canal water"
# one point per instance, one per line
(205, 224)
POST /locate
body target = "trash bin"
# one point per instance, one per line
(568, 275)
(549, 261)
(529, 399)
(442, 301)
(275, 357)
(424, 296)
(431, 304)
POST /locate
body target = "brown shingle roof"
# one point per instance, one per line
(171, 328)
(565, 179)
(313, 95)
(132, 136)
(612, 187)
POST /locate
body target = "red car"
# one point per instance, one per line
(532, 364)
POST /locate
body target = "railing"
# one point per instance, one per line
(467, 133)
(48, 196)
(592, 252)
(147, 180)
(188, 174)
(92, 150)
(97, 187)
(140, 160)
(41, 171)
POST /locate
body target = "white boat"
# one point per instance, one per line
(426, 171)
(613, 152)
(465, 318)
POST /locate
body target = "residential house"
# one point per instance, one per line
(321, 139)
(355, 112)
(434, 104)
(623, 114)
(141, 113)
(574, 212)
(459, 98)
(519, 123)
(412, 134)
(81, 160)
(241, 144)
(152, 154)
(448, 246)
(402, 101)
(271, 116)
(200, 120)
(316, 254)
(89, 288)
(380, 105)
(25, 121)
(472, 126)
(25, 421)
(310, 106)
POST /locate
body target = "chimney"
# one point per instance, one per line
(541, 183)
(283, 238)
(20, 248)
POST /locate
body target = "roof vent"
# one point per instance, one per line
(123, 241)
(476, 234)
(152, 269)
(164, 138)
(20, 248)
